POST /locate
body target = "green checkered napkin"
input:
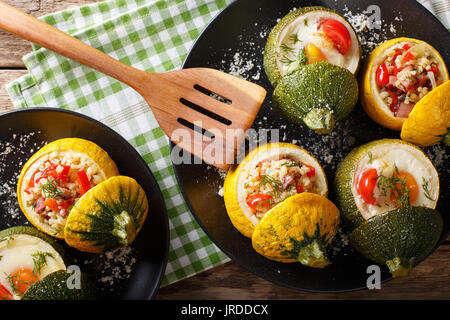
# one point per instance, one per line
(149, 35)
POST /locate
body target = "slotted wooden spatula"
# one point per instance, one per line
(204, 111)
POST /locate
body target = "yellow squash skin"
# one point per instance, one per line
(298, 229)
(235, 213)
(89, 148)
(368, 102)
(429, 121)
(108, 216)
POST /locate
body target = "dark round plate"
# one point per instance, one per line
(234, 42)
(131, 273)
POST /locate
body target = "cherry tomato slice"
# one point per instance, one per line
(5, 294)
(366, 184)
(299, 189)
(382, 75)
(338, 33)
(254, 200)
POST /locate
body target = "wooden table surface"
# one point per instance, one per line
(429, 280)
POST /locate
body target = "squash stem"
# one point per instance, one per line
(124, 228)
(397, 268)
(320, 120)
(313, 255)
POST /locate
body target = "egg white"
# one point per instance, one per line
(387, 159)
(16, 253)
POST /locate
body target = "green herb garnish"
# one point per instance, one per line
(40, 261)
(426, 191)
(286, 48)
(370, 157)
(397, 186)
(50, 189)
(294, 38)
(286, 60)
(302, 58)
(274, 183)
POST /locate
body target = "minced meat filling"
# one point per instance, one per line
(272, 181)
(406, 75)
(57, 183)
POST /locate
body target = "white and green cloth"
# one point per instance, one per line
(150, 35)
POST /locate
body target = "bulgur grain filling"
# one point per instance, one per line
(57, 180)
(409, 71)
(272, 181)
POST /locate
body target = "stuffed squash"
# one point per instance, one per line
(397, 75)
(56, 176)
(268, 175)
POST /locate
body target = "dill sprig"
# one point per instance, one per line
(426, 190)
(397, 186)
(286, 48)
(286, 60)
(50, 188)
(294, 38)
(274, 183)
(40, 261)
(302, 58)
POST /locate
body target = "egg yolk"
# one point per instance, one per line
(314, 54)
(22, 279)
(410, 183)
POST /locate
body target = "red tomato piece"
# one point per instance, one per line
(338, 33)
(83, 182)
(366, 185)
(434, 69)
(256, 199)
(408, 56)
(52, 204)
(382, 75)
(300, 189)
(311, 172)
(394, 101)
(5, 294)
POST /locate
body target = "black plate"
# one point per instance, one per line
(23, 132)
(240, 31)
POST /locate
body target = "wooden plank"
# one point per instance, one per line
(7, 76)
(429, 280)
(12, 49)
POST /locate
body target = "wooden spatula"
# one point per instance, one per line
(204, 111)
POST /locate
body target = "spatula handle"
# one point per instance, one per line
(29, 28)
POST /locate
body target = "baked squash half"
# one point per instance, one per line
(310, 35)
(109, 216)
(26, 257)
(298, 229)
(56, 176)
(396, 76)
(268, 175)
(381, 176)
